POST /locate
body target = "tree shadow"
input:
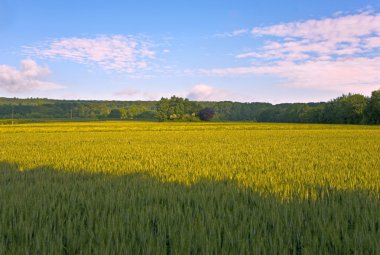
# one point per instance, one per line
(48, 211)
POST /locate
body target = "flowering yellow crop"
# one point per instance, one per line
(189, 188)
(284, 159)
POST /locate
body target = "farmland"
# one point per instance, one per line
(181, 188)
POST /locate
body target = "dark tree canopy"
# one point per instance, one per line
(206, 114)
(115, 114)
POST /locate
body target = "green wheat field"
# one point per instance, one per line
(189, 188)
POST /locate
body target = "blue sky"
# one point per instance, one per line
(272, 51)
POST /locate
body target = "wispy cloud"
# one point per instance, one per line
(204, 92)
(345, 75)
(129, 92)
(120, 53)
(339, 36)
(136, 94)
(235, 33)
(340, 53)
(29, 77)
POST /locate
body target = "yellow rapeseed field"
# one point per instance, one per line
(189, 188)
(284, 159)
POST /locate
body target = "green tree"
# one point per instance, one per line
(356, 105)
(134, 110)
(176, 108)
(347, 109)
(162, 111)
(372, 111)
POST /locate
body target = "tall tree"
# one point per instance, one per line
(372, 111)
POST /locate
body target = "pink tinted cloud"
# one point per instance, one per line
(342, 35)
(341, 53)
(360, 74)
(342, 28)
(29, 77)
(372, 42)
(204, 92)
(115, 53)
(129, 92)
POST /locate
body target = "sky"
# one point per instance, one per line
(207, 50)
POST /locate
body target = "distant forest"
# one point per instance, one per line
(347, 109)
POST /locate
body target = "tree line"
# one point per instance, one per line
(346, 109)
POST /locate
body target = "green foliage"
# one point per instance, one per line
(134, 111)
(372, 111)
(176, 108)
(62, 109)
(347, 109)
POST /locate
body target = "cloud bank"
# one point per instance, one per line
(29, 77)
(112, 53)
(330, 37)
(340, 53)
(203, 92)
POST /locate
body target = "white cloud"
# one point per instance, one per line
(136, 94)
(337, 36)
(203, 92)
(341, 53)
(30, 77)
(372, 42)
(114, 53)
(342, 28)
(360, 75)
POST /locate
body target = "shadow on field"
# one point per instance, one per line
(46, 211)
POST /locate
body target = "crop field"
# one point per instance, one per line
(189, 188)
